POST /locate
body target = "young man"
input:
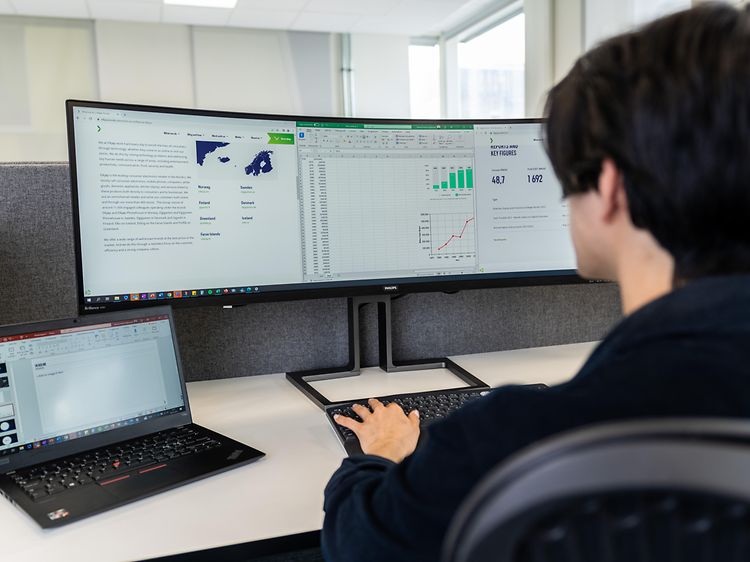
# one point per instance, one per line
(650, 136)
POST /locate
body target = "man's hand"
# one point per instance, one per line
(386, 431)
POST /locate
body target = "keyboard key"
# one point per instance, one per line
(26, 484)
(37, 493)
(55, 489)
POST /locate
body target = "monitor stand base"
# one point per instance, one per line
(302, 379)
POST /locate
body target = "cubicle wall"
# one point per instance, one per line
(37, 282)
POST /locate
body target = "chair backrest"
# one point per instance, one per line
(666, 490)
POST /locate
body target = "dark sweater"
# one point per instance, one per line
(685, 354)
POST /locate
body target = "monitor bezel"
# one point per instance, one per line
(319, 289)
(103, 439)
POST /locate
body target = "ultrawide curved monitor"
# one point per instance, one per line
(193, 207)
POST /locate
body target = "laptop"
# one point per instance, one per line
(94, 414)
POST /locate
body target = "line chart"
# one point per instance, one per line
(452, 234)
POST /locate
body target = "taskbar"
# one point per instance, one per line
(65, 437)
(162, 295)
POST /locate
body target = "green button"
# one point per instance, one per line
(280, 138)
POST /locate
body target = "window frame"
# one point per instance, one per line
(495, 15)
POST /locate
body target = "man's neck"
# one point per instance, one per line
(644, 273)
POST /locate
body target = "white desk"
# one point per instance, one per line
(279, 495)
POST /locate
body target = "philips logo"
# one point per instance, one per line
(390, 288)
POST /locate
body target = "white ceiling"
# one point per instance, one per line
(404, 17)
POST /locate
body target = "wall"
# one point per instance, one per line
(236, 70)
(604, 18)
(44, 61)
(381, 75)
(539, 53)
(568, 35)
(58, 62)
(145, 63)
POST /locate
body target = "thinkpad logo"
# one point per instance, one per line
(59, 514)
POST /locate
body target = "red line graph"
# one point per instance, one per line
(454, 237)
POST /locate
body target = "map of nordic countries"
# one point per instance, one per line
(259, 164)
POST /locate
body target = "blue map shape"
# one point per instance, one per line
(204, 148)
(261, 164)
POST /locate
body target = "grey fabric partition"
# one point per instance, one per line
(36, 253)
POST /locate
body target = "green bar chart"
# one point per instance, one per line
(451, 177)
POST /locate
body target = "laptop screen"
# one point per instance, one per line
(64, 384)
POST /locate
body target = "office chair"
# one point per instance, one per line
(670, 490)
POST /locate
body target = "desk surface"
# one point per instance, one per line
(281, 494)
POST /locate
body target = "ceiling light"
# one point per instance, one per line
(204, 3)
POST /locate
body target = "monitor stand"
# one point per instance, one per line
(302, 379)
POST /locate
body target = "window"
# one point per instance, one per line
(491, 71)
(424, 81)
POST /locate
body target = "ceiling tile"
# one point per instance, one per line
(464, 13)
(336, 23)
(125, 10)
(261, 19)
(275, 5)
(428, 17)
(388, 25)
(433, 10)
(195, 16)
(52, 8)
(361, 7)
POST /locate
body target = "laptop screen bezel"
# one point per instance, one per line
(75, 446)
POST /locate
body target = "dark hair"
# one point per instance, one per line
(670, 105)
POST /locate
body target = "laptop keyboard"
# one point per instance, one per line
(107, 463)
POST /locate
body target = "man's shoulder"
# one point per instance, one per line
(710, 313)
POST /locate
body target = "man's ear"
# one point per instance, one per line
(611, 189)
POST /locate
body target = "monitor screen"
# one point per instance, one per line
(203, 207)
(63, 384)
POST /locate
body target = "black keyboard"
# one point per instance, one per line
(432, 406)
(107, 463)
